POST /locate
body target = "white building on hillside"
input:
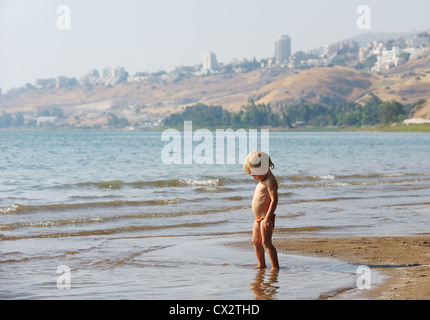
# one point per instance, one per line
(386, 59)
(210, 62)
(419, 41)
(282, 49)
(112, 75)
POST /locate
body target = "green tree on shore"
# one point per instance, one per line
(375, 111)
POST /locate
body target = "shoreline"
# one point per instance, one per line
(383, 128)
(405, 260)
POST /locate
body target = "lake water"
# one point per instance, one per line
(106, 208)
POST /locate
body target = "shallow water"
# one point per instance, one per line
(194, 268)
(129, 226)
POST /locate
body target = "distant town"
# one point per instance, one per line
(376, 56)
(371, 57)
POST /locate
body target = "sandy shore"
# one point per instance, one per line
(406, 260)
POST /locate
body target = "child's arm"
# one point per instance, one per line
(272, 189)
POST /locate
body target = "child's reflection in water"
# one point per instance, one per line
(264, 286)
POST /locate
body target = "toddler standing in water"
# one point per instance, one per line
(264, 203)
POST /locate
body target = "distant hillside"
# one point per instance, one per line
(364, 38)
(140, 102)
(148, 101)
(331, 85)
(407, 83)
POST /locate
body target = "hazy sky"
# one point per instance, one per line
(157, 35)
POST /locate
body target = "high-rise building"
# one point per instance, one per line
(112, 75)
(209, 61)
(282, 49)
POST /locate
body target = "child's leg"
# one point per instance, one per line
(258, 246)
(266, 235)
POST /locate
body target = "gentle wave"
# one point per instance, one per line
(352, 183)
(9, 210)
(169, 183)
(18, 208)
(217, 185)
(53, 223)
(64, 222)
(117, 184)
(98, 232)
(306, 229)
(325, 200)
(218, 182)
(299, 178)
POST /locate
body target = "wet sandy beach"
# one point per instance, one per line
(405, 260)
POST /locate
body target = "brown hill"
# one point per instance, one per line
(154, 99)
(143, 101)
(408, 83)
(327, 85)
